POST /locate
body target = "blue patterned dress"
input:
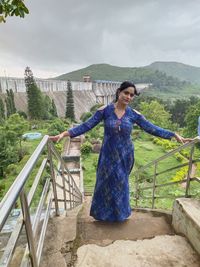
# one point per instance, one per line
(111, 194)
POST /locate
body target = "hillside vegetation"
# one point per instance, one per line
(179, 70)
(166, 86)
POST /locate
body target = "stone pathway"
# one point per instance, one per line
(161, 251)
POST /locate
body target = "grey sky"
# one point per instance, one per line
(61, 36)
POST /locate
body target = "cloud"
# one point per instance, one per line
(61, 36)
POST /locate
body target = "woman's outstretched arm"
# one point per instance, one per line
(82, 128)
(155, 130)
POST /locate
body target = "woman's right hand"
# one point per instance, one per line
(57, 138)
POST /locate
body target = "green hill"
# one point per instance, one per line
(100, 72)
(114, 73)
(164, 85)
(179, 70)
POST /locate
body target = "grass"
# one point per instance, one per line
(89, 167)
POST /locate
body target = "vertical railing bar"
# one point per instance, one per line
(63, 181)
(44, 226)
(40, 205)
(7, 255)
(73, 187)
(154, 185)
(70, 197)
(36, 219)
(53, 179)
(28, 227)
(36, 180)
(64, 164)
(189, 171)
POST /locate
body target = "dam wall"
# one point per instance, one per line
(83, 101)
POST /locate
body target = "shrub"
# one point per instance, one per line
(22, 114)
(85, 116)
(179, 157)
(57, 126)
(59, 147)
(185, 153)
(180, 175)
(95, 107)
(86, 148)
(11, 169)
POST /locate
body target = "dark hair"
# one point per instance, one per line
(123, 86)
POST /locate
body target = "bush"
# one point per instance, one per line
(85, 116)
(59, 147)
(166, 144)
(180, 175)
(11, 169)
(185, 153)
(86, 148)
(22, 152)
(57, 126)
(22, 114)
(179, 157)
(95, 107)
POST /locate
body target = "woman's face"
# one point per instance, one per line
(127, 95)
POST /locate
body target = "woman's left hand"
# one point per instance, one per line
(182, 140)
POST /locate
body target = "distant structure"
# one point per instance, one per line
(87, 78)
(104, 90)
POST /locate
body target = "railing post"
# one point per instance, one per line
(70, 192)
(64, 188)
(154, 185)
(189, 171)
(53, 179)
(28, 227)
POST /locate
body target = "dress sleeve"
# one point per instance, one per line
(150, 128)
(88, 125)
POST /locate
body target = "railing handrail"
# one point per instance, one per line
(48, 195)
(154, 164)
(13, 193)
(166, 155)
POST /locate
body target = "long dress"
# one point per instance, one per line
(111, 194)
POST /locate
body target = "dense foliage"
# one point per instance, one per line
(10, 141)
(10, 102)
(12, 8)
(69, 102)
(34, 96)
(2, 111)
(39, 106)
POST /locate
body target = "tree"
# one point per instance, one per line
(10, 102)
(2, 111)
(34, 95)
(10, 140)
(8, 153)
(53, 109)
(156, 113)
(191, 120)
(12, 8)
(48, 106)
(69, 102)
(179, 109)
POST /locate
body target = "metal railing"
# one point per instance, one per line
(139, 180)
(49, 198)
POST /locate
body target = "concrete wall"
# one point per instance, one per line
(83, 101)
(186, 220)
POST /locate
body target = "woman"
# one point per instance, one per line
(111, 194)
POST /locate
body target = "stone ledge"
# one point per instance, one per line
(186, 220)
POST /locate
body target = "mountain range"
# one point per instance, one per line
(176, 70)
